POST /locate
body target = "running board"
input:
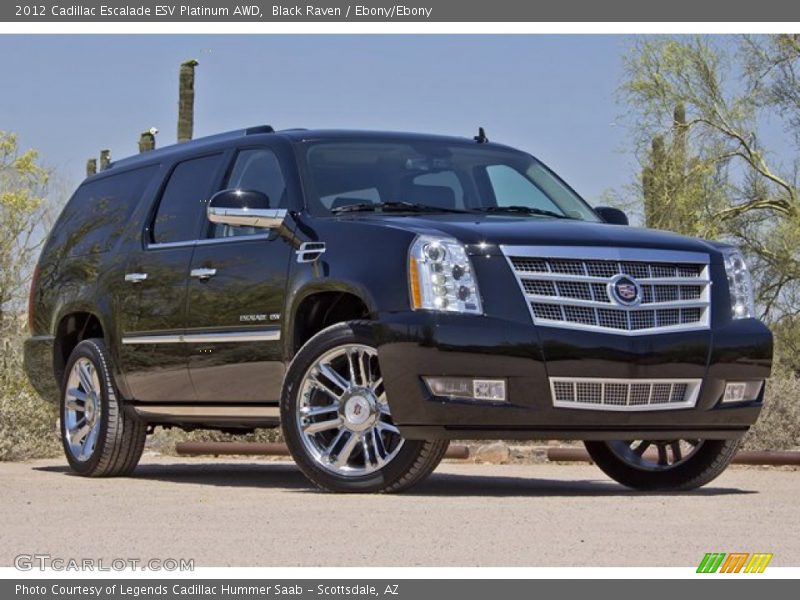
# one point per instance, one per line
(195, 412)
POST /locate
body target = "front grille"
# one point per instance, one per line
(574, 287)
(623, 394)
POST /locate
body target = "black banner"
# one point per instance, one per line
(386, 589)
(407, 11)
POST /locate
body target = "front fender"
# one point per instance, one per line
(362, 259)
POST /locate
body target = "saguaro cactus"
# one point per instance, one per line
(147, 140)
(105, 159)
(653, 182)
(91, 167)
(665, 179)
(186, 101)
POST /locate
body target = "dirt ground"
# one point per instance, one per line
(252, 512)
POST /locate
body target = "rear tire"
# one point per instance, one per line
(337, 423)
(100, 439)
(629, 464)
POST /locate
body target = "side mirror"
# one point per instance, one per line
(245, 208)
(612, 215)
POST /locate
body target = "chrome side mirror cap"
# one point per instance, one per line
(244, 208)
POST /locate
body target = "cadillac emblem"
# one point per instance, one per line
(625, 291)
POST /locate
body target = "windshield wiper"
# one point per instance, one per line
(526, 210)
(392, 207)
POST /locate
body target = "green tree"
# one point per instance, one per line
(680, 190)
(26, 421)
(698, 106)
(23, 209)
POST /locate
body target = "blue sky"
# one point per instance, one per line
(70, 96)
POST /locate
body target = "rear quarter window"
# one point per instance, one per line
(98, 212)
(183, 202)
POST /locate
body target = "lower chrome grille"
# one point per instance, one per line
(581, 288)
(623, 394)
(616, 318)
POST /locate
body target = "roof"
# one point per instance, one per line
(362, 134)
(294, 135)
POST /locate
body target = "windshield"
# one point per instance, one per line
(449, 177)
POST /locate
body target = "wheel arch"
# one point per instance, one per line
(319, 306)
(72, 327)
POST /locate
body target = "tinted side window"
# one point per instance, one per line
(259, 170)
(184, 200)
(99, 210)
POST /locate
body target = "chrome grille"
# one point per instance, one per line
(572, 287)
(624, 394)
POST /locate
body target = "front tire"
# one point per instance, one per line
(664, 465)
(100, 439)
(336, 419)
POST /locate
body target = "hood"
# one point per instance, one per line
(531, 231)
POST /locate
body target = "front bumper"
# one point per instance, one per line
(416, 344)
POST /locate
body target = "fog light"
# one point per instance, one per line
(493, 390)
(741, 391)
(489, 389)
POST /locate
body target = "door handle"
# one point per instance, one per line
(135, 277)
(203, 274)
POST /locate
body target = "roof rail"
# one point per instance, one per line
(219, 137)
(259, 129)
(230, 134)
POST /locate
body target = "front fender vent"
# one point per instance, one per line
(308, 252)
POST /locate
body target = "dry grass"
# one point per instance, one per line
(28, 424)
(163, 440)
(778, 427)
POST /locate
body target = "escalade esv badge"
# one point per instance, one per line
(457, 289)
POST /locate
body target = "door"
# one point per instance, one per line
(236, 295)
(154, 356)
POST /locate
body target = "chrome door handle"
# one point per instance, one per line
(135, 277)
(203, 274)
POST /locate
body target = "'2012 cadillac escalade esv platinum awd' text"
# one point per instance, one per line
(377, 295)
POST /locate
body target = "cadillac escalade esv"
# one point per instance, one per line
(377, 295)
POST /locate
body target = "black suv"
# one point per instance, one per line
(378, 294)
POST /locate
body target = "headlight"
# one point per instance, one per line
(740, 285)
(440, 276)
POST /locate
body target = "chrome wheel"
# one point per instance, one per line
(82, 409)
(659, 455)
(342, 413)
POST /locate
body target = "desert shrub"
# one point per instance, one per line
(28, 424)
(778, 427)
(164, 440)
